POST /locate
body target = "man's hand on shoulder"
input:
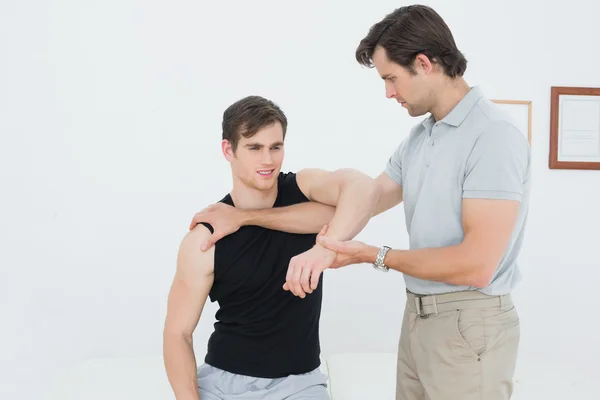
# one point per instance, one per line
(224, 220)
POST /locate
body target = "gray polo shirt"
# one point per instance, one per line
(474, 152)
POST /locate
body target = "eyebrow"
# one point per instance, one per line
(262, 145)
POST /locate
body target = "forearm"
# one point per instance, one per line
(453, 264)
(302, 218)
(355, 207)
(180, 364)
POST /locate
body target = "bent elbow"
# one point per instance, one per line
(480, 282)
(370, 186)
(482, 276)
(359, 182)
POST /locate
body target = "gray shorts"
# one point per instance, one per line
(216, 384)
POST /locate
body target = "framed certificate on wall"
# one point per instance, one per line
(574, 128)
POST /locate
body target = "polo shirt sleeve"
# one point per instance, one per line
(498, 165)
(393, 168)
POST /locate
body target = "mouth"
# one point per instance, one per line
(265, 173)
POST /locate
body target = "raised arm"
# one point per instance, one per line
(189, 291)
(302, 218)
(325, 189)
(494, 203)
(355, 195)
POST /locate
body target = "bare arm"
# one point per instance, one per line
(353, 193)
(300, 218)
(390, 193)
(351, 189)
(488, 225)
(496, 176)
(189, 291)
(355, 196)
(309, 217)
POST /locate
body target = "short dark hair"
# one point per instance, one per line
(409, 31)
(247, 116)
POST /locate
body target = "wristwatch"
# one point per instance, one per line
(378, 264)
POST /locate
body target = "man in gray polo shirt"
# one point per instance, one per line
(463, 175)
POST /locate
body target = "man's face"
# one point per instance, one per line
(257, 159)
(412, 91)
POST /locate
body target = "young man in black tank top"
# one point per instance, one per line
(266, 340)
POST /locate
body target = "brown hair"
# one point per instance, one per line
(247, 116)
(409, 31)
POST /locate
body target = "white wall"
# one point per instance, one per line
(110, 119)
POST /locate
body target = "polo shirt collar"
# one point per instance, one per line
(458, 114)
(464, 106)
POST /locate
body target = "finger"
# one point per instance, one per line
(331, 244)
(314, 279)
(194, 222)
(198, 218)
(212, 239)
(305, 278)
(323, 230)
(288, 278)
(208, 243)
(297, 287)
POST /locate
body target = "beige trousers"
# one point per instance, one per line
(457, 346)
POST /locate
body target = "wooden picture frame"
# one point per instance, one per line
(574, 128)
(521, 112)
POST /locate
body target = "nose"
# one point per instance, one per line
(390, 91)
(267, 157)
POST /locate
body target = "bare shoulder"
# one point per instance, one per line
(192, 262)
(305, 177)
(324, 186)
(191, 285)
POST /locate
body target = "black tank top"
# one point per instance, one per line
(263, 330)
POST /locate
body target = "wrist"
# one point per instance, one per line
(369, 254)
(247, 217)
(321, 247)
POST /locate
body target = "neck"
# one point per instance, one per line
(245, 197)
(449, 94)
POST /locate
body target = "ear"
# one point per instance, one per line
(423, 63)
(227, 150)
